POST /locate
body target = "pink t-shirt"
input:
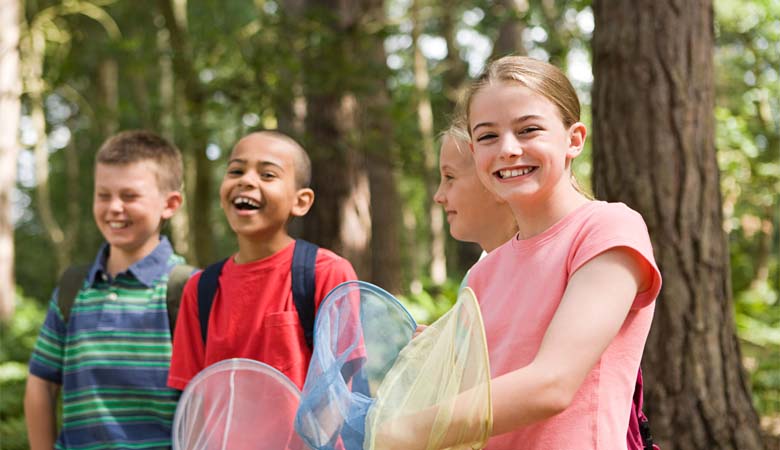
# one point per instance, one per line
(520, 285)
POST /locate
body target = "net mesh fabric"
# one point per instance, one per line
(237, 404)
(441, 377)
(359, 331)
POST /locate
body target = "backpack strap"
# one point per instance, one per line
(177, 278)
(69, 286)
(207, 289)
(303, 285)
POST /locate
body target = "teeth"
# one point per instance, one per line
(246, 201)
(117, 225)
(514, 172)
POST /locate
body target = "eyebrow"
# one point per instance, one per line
(514, 121)
(264, 163)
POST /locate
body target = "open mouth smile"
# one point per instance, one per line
(505, 174)
(246, 204)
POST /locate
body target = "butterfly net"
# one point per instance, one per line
(358, 333)
(442, 372)
(237, 404)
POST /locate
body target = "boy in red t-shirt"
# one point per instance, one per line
(253, 314)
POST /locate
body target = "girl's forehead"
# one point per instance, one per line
(509, 101)
(455, 153)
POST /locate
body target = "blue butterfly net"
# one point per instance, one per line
(359, 331)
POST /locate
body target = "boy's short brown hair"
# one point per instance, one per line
(142, 145)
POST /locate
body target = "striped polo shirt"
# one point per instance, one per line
(112, 357)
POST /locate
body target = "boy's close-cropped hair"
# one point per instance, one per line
(302, 161)
(134, 146)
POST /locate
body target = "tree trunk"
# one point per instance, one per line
(653, 149)
(510, 31)
(340, 219)
(10, 109)
(32, 53)
(377, 129)
(438, 261)
(200, 187)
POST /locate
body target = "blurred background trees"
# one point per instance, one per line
(366, 86)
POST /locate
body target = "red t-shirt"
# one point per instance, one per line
(253, 316)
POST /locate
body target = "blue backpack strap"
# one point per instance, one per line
(303, 263)
(207, 289)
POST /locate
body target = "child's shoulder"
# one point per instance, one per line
(612, 213)
(327, 257)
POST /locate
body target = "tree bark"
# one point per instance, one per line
(381, 157)
(653, 149)
(10, 110)
(340, 218)
(510, 31)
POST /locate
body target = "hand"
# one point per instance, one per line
(418, 330)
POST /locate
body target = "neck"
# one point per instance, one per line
(537, 215)
(120, 259)
(494, 240)
(251, 248)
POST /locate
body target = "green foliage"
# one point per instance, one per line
(427, 301)
(748, 142)
(16, 343)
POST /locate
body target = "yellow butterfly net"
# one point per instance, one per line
(440, 381)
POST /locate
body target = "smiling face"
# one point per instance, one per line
(521, 147)
(129, 207)
(259, 192)
(474, 213)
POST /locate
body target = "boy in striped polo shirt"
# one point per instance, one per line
(111, 356)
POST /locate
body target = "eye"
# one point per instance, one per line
(128, 196)
(449, 177)
(268, 175)
(103, 196)
(235, 171)
(486, 137)
(529, 130)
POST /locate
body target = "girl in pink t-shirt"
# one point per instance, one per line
(567, 303)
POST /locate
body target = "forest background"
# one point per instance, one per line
(682, 99)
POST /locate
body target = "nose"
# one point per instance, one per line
(510, 146)
(439, 196)
(248, 179)
(115, 204)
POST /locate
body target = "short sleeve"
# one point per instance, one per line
(611, 226)
(330, 271)
(189, 353)
(47, 358)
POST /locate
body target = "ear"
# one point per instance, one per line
(173, 201)
(577, 134)
(304, 198)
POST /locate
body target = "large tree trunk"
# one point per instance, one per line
(10, 91)
(199, 186)
(653, 149)
(340, 218)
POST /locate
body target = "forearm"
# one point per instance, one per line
(40, 401)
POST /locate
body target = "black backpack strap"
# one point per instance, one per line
(207, 289)
(68, 287)
(303, 263)
(177, 278)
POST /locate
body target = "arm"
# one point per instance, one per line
(593, 308)
(592, 311)
(40, 401)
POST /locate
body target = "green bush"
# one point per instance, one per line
(17, 339)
